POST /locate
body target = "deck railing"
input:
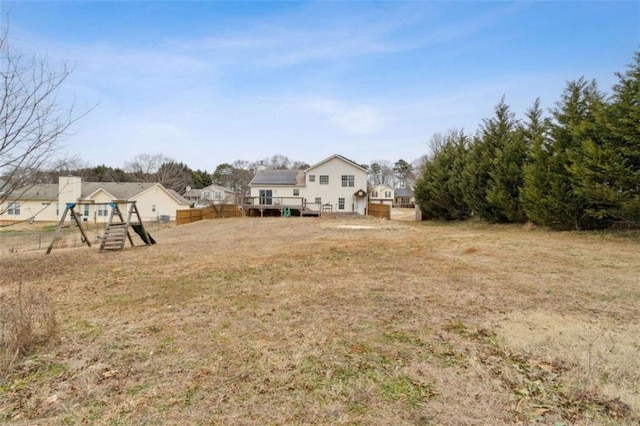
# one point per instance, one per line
(274, 201)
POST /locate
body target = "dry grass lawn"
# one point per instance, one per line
(334, 321)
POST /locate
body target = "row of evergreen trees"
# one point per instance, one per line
(578, 168)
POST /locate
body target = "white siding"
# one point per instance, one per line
(40, 210)
(165, 204)
(281, 194)
(330, 194)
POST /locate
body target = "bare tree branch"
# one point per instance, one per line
(31, 121)
(158, 168)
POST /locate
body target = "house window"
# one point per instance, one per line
(218, 195)
(375, 194)
(206, 195)
(348, 180)
(324, 179)
(296, 192)
(86, 211)
(14, 209)
(153, 208)
(318, 200)
(387, 194)
(312, 178)
(103, 210)
(340, 203)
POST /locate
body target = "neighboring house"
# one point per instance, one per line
(404, 197)
(24, 204)
(381, 194)
(215, 194)
(46, 202)
(334, 184)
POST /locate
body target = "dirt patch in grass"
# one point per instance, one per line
(334, 321)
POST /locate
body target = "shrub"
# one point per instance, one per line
(27, 320)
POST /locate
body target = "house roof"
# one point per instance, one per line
(215, 187)
(345, 159)
(195, 193)
(119, 190)
(126, 190)
(403, 192)
(179, 198)
(46, 191)
(278, 177)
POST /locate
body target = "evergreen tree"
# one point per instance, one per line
(404, 173)
(609, 164)
(573, 124)
(536, 179)
(491, 184)
(201, 178)
(439, 190)
(507, 176)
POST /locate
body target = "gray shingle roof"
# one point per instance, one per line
(47, 191)
(192, 193)
(278, 177)
(178, 197)
(120, 190)
(403, 192)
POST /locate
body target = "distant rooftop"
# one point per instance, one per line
(403, 192)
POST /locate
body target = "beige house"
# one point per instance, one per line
(335, 184)
(215, 194)
(47, 202)
(381, 194)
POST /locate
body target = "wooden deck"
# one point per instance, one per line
(282, 205)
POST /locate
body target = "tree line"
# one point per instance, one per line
(234, 176)
(576, 168)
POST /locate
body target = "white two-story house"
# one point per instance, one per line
(335, 184)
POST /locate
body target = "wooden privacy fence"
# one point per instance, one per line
(222, 211)
(379, 210)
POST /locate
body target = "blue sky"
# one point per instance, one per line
(212, 82)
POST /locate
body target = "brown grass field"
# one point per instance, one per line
(334, 321)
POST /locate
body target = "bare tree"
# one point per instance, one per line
(158, 168)
(176, 176)
(144, 166)
(381, 172)
(420, 164)
(31, 121)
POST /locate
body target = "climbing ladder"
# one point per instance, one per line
(116, 233)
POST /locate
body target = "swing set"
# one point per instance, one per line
(115, 233)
